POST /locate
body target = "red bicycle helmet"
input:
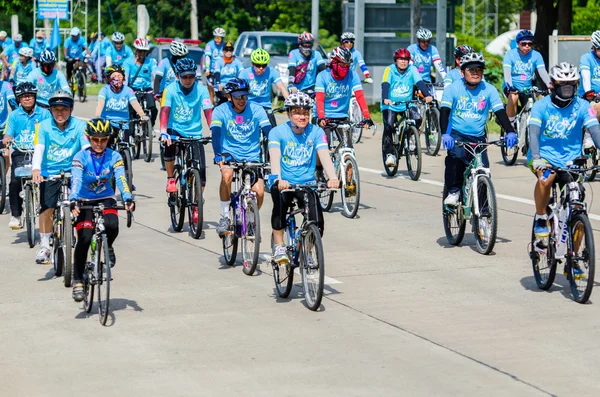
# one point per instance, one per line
(402, 53)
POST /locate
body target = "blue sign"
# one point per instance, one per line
(50, 9)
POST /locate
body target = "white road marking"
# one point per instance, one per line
(328, 280)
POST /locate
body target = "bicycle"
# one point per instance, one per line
(431, 117)
(567, 219)
(189, 187)
(97, 273)
(141, 130)
(3, 181)
(124, 149)
(591, 152)
(30, 193)
(406, 139)
(78, 79)
(62, 240)
(477, 202)
(356, 117)
(245, 219)
(300, 242)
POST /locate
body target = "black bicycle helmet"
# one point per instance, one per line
(25, 88)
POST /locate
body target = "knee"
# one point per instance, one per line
(226, 176)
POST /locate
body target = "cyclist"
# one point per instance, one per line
(454, 74)
(294, 147)
(100, 53)
(39, 44)
(465, 104)
(164, 73)
(5, 41)
(20, 128)
(11, 52)
(347, 39)
(180, 116)
(212, 52)
(397, 86)
(589, 70)
(56, 142)
(304, 64)
(235, 128)
(520, 65)
(138, 73)
(7, 98)
(75, 50)
(118, 52)
(225, 69)
(21, 68)
(555, 135)
(261, 77)
(47, 79)
(424, 55)
(93, 170)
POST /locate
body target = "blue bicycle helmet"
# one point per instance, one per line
(185, 66)
(47, 57)
(237, 86)
(524, 35)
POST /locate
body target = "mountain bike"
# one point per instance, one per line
(571, 236)
(477, 202)
(141, 129)
(244, 216)
(406, 139)
(189, 192)
(30, 193)
(62, 240)
(123, 147)
(78, 79)
(591, 152)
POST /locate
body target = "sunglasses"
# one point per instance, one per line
(99, 139)
(347, 41)
(188, 77)
(475, 70)
(526, 44)
(260, 66)
(425, 41)
(241, 97)
(27, 96)
(300, 111)
(306, 45)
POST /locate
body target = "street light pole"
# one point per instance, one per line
(359, 25)
(314, 20)
(194, 20)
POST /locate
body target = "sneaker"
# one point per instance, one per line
(390, 160)
(15, 223)
(350, 190)
(171, 185)
(77, 292)
(223, 226)
(112, 257)
(43, 256)
(578, 274)
(452, 199)
(280, 254)
(541, 228)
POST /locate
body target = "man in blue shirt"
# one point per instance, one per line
(304, 64)
(212, 52)
(347, 40)
(56, 142)
(75, 49)
(589, 70)
(138, 74)
(225, 69)
(466, 104)
(235, 128)
(39, 44)
(424, 55)
(5, 41)
(118, 52)
(47, 78)
(164, 73)
(20, 128)
(20, 69)
(11, 52)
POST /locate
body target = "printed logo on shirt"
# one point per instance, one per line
(58, 153)
(469, 108)
(258, 88)
(559, 127)
(240, 131)
(335, 90)
(521, 67)
(117, 104)
(228, 70)
(401, 90)
(2, 103)
(296, 154)
(183, 113)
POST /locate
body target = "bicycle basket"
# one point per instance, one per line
(414, 114)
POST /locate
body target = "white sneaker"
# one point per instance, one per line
(452, 199)
(223, 226)
(43, 256)
(390, 160)
(14, 223)
(280, 254)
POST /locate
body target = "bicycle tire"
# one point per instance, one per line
(523, 125)
(2, 183)
(485, 245)
(391, 171)
(194, 185)
(355, 118)
(509, 156)
(57, 252)
(454, 222)
(433, 137)
(147, 136)
(127, 162)
(412, 135)
(349, 208)
(581, 294)
(591, 175)
(544, 277)
(103, 281)
(312, 295)
(88, 285)
(67, 246)
(137, 146)
(230, 240)
(283, 275)
(30, 216)
(81, 88)
(176, 202)
(325, 197)
(251, 253)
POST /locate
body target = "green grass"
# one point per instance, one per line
(376, 113)
(94, 89)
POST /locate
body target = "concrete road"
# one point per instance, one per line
(405, 314)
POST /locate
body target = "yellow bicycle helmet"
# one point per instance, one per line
(97, 128)
(260, 57)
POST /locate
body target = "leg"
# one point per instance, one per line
(271, 117)
(259, 188)
(225, 196)
(541, 192)
(85, 231)
(170, 152)
(511, 105)
(70, 73)
(16, 202)
(278, 223)
(455, 167)
(152, 106)
(315, 211)
(389, 120)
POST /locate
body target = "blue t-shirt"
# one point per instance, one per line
(60, 146)
(522, 67)
(238, 133)
(116, 105)
(144, 77)
(260, 86)
(6, 42)
(6, 96)
(298, 151)
(469, 108)
(165, 71)
(48, 85)
(21, 126)
(357, 59)
(38, 46)
(401, 86)
(118, 57)
(561, 138)
(423, 60)
(91, 176)
(212, 52)
(337, 92)
(227, 70)
(102, 47)
(12, 52)
(590, 62)
(21, 72)
(452, 76)
(75, 49)
(297, 60)
(185, 116)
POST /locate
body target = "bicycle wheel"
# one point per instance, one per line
(592, 153)
(103, 281)
(57, 255)
(137, 138)
(230, 240)
(412, 150)
(147, 137)
(433, 135)
(30, 215)
(355, 118)
(88, 285)
(454, 222)
(542, 258)
(485, 226)
(325, 197)
(3, 184)
(128, 168)
(81, 88)
(251, 239)
(351, 189)
(312, 266)
(176, 202)
(581, 264)
(391, 171)
(509, 156)
(67, 247)
(195, 205)
(524, 131)
(283, 275)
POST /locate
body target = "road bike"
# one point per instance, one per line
(30, 193)
(123, 147)
(477, 202)
(142, 129)
(571, 238)
(62, 240)
(405, 140)
(189, 192)
(590, 151)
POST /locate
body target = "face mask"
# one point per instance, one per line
(306, 51)
(339, 72)
(116, 83)
(565, 91)
(39, 40)
(47, 69)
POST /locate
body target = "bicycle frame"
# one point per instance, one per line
(242, 193)
(474, 171)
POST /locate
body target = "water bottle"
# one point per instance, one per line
(93, 246)
(562, 234)
(546, 174)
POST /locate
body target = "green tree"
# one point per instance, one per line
(585, 19)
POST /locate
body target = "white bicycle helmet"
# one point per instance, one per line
(219, 32)
(424, 34)
(141, 44)
(298, 99)
(596, 39)
(178, 49)
(118, 37)
(75, 31)
(472, 59)
(564, 72)
(26, 52)
(348, 36)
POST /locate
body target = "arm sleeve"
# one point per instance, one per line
(534, 140)
(544, 75)
(507, 66)
(292, 75)
(320, 97)
(362, 102)
(385, 90)
(440, 68)
(121, 179)
(38, 155)
(586, 80)
(164, 117)
(215, 128)
(76, 176)
(503, 119)
(321, 67)
(423, 88)
(208, 115)
(157, 80)
(595, 133)
(444, 118)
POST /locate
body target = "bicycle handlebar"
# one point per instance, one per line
(319, 187)
(203, 140)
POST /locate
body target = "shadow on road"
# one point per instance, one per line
(115, 305)
(561, 285)
(49, 274)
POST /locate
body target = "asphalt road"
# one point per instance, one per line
(405, 314)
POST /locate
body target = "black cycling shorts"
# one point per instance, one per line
(49, 192)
